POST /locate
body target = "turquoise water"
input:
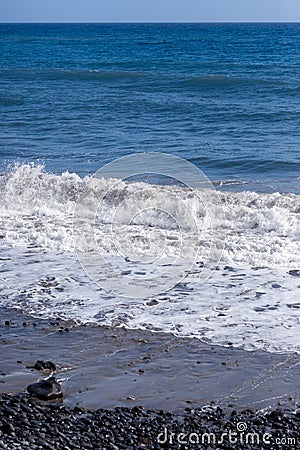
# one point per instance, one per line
(223, 96)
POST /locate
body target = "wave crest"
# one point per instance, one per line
(37, 207)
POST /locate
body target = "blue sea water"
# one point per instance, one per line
(224, 96)
(221, 265)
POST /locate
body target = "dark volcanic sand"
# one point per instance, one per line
(101, 367)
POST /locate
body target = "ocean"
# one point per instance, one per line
(196, 229)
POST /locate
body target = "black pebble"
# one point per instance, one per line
(26, 422)
(7, 428)
(44, 365)
(46, 389)
(294, 273)
(152, 302)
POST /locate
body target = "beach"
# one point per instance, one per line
(156, 378)
(149, 236)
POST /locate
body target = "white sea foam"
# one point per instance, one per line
(37, 208)
(253, 302)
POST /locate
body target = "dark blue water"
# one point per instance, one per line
(224, 96)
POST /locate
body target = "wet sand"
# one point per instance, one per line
(100, 367)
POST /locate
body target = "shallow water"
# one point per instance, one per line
(109, 367)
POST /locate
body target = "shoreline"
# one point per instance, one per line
(134, 389)
(98, 366)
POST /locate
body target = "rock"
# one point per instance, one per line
(7, 428)
(152, 302)
(293, 305)
(52, 426)
(46, 389)
(43, 366)
(229, 268)
(294, 273)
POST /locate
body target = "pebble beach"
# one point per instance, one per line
(131, 389)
